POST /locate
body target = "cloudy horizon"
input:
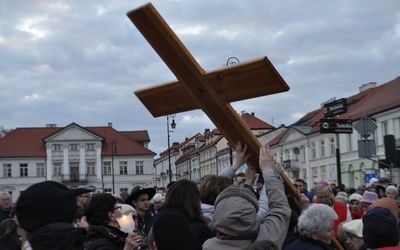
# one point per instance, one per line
(81, 61)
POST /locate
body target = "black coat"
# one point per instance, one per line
(305, 243)
(200, 230)
(105, 238)
(57, 236)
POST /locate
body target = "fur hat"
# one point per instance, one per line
(369, 197)
(380, 228)
(45, 203)
(372, 181)
(171, 231)
(354, 227)
(136, 191)
(236, 212)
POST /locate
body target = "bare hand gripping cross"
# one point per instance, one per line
(210, 91)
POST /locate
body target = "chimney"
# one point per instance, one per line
(110, 124)
(367, 86)
(52, 125)
(252, 113)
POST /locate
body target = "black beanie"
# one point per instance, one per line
(45, 203)
(171, 231)
(380, 228)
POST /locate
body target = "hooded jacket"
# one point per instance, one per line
(235, 218)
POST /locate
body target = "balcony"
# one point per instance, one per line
(74, 178)
(291, 165)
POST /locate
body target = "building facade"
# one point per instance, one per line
(307, 153)
(99, 158)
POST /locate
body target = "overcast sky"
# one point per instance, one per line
(80, 61)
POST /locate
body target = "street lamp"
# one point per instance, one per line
(114, 150)
(173, 126)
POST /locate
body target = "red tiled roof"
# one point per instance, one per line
(141, 135)
(25, 142)
(255, 123)
(29, 142)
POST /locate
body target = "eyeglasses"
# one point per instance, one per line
(117, 207)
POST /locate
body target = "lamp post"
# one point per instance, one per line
(173, 126)
(114, 150)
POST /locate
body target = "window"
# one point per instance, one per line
(40, 169)
(91, 168)
(107, 190)
(139, 167)
(56, 147)
(73, 147)
(332, 147)
(123, 167)
(350, 145)
(90, 147)
(123, 190)
(107, 168)
(23, 169)
(322, 147)
(7, 170)
(313, 151)
(57, 168)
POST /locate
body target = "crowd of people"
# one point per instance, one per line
(233, 210)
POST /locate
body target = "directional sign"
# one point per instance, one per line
(365, 126)
(336, 126)
(336, 107)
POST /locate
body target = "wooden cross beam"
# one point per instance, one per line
(210, 91)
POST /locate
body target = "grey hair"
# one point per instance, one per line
(6, 193)
(320, 186)
(317, 218)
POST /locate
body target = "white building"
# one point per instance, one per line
(308, 154)
(99, 158)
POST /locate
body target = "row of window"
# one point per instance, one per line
(74, 147)
(90, 168)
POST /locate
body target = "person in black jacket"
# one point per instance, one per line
(102, 212)
(46, 211)
(184, 197)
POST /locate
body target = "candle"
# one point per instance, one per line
(126, 223)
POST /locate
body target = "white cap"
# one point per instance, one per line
(354, 227)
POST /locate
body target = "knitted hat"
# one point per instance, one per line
(369, 197)
(236, 212)
(136, 191)
(355, 197)
(45, 203)
(380, 228)
(387, 203)
(354, 227)
(171, 231)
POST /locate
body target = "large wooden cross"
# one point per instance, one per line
(210, 91)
